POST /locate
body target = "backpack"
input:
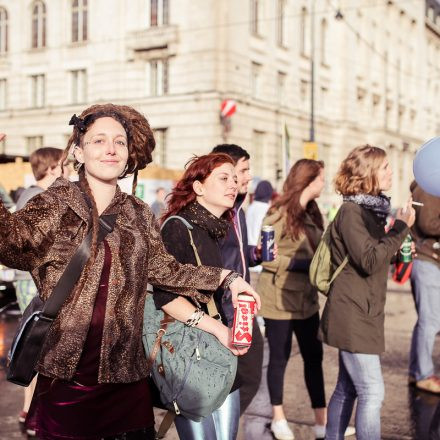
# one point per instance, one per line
(321, 273)
(192, 370)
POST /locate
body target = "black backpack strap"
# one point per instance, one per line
(73, 270)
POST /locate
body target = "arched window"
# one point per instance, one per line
(324, 33)
(39, 24)
(3, 30)
(303, 30)
(79, 20)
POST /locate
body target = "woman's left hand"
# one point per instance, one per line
(258, 252)
(225, 337)
(239, 285)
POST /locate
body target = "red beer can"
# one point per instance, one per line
(243, 318)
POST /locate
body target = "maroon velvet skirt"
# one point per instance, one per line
(83, 409)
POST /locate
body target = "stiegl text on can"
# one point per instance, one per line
(243, 321)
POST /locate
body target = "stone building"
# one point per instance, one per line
(375, 77)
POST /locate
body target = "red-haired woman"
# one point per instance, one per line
(92, 381)
(289, 302)
(203, 197)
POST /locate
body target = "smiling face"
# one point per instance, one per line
(219, 190)
(104, 150)
(385, 176)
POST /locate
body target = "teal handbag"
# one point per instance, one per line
(192, 370)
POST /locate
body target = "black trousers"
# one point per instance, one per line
(249, 369)
(279, 334)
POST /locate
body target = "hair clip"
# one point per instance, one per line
(78, 123)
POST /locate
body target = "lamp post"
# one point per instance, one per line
(312, 73)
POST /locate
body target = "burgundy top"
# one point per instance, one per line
(82, 409)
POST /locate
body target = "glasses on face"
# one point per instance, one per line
(101, 140)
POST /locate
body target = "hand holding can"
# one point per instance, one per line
(243, 321)
(267, 243)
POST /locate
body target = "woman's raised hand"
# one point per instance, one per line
(407, 214)
(239, 285)
(2, 136)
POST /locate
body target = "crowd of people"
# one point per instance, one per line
(93, 372)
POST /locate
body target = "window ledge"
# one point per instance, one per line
(81, 43)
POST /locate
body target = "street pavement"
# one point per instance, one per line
(406, 413)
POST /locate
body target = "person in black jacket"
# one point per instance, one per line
(238, 255)
(204, 197)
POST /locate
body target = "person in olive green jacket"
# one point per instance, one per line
(353, 317)
(289, 302)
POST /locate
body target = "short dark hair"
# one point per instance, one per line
(232, 150)
(43, 159)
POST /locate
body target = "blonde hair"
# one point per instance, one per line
(358, 171)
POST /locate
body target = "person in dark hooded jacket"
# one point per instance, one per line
(238, 255)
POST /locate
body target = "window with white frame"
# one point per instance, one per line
(78, 86)
(38, 24)
(33, 142)
(304, 91)
(255, 80)
(258, 152)
(254, 16)
(281, 88)
(303, 31)
(159, 154)
(324, 26)
(79, 20)
(281, 22)
(3, 31)
(157, 77)
(159, 13)
(38, 90)
(3, 94)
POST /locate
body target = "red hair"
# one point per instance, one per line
(198, 168)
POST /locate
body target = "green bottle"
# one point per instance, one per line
(405, 254)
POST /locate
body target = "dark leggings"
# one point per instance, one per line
(279, 334)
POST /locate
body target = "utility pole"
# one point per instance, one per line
(312, 73)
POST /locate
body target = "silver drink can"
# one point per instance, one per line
(267, 243)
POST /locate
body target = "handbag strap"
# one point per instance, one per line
(73, 270)
(212, 308)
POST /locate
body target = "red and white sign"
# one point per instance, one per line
(228, 108)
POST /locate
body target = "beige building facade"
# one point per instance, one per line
(376, 75)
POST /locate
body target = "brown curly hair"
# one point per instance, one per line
(358, 171)
(141, 144)
(140, 137)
